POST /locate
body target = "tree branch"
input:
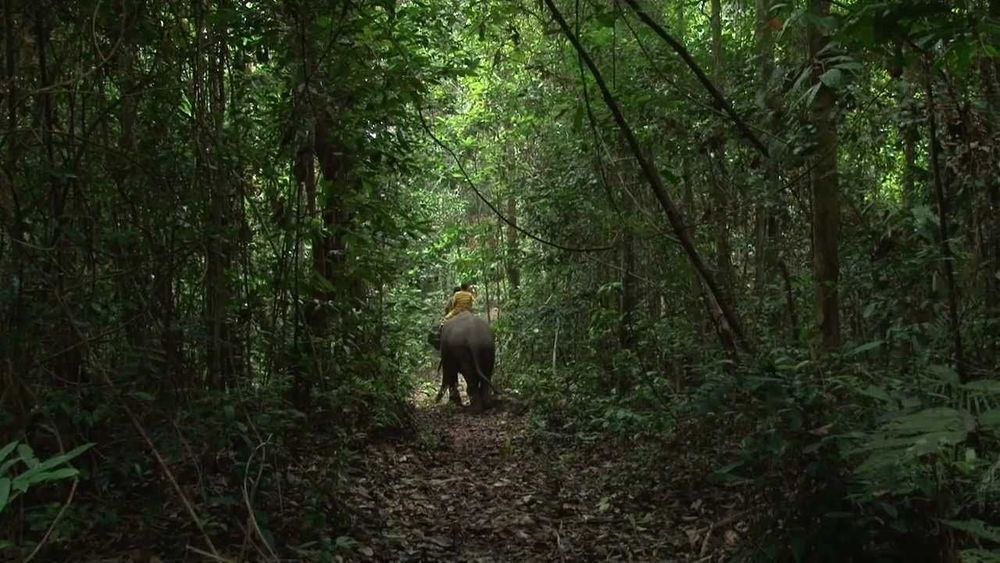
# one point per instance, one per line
(655, 182)
(492, 207)
(683, 53)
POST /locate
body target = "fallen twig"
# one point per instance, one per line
(251, 517)
(166, 470)
(212, 556)
(704, 542)
(52, 526)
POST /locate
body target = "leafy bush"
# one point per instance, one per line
(34, 472)
(859, 469)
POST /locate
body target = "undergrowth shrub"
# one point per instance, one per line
(857, 466)
(852, 460)
(226, 450)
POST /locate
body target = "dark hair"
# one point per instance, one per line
(466, 286)
(457, 289)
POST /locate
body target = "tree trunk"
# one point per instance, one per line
(716, 153)
(990, 72)
(944, 234)
(626, 330)
(825, 190)
(210, 107)
(717, 165)
(909, 134)
(329, 250)
(767, 213)
(513, 270)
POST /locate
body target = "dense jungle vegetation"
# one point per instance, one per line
(741, 258)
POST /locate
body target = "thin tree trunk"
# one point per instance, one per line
(10, 204)
(626, 332)
(990, 72)
(329, 250)
(697, 290)
(910, 136)
(57, 265)
(720, 213)
(13, 398)
(767, 215)
(513, 245)
(910, 139)
(825, 191)
(941, 194)
(210, 108)
(717, 164)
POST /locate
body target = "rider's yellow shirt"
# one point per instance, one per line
(460, 301)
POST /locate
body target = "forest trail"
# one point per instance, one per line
(480, 487)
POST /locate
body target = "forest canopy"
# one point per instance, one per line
(754, 244)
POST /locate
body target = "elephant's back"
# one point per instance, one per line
(467, 326)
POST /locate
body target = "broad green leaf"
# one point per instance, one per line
(870, 309)
(4, 492)
(850, 65)
(64, 458)
(33, 477)
(832, 78)
(983, 386)
(865, 348)
(979, 556)
(810, 95)
(876, 392)
(5, 451)
(944, 373)
(57, 475)
(940, 419)
(975, 527)
(20, 483)
(5, 466)
(27, 455)
(990, 419)
(912, 436)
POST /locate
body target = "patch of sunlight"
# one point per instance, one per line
(425, 389)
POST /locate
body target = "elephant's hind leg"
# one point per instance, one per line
(449, 379)
(475, 386)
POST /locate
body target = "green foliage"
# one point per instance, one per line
(34, 472)
(228, 217)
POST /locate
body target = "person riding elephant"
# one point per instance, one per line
(451, 299)
(461, 300)
(466, 345)
(451, 308)
(468, 348)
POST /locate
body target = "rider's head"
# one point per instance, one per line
(466, 286)
(457, 289)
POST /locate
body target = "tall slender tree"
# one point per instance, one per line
(825, 182)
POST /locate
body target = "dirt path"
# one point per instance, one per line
(479, 488)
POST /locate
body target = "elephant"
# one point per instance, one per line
(467, 347)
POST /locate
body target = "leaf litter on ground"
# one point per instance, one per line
(487, 488)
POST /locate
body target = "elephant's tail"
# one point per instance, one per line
(481, 375)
